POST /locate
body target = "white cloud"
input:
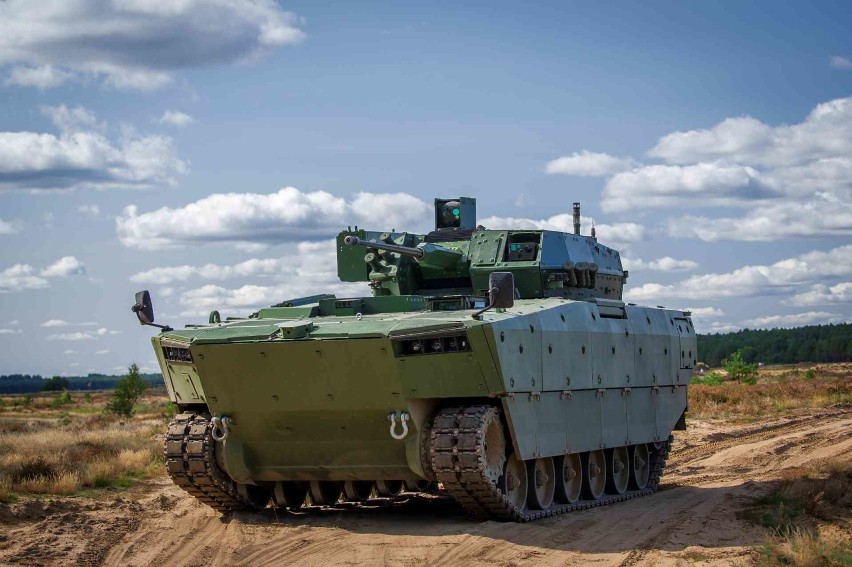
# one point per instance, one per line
(102, 351)
(705, 312)
(175, 118)
(82, 156)
(55, 323)
(64, 267)
(9, 227)
(310, 269)
(81, 335)
(589, 164)
(69, 351)
(247, 268)
(617, 235)
(664, 264)
(794, 320)
(92, 210)
(20, 277)
(839, 62)
(826, 132)
(137, 44)
(10, 331)
(821, 294)
(39, 76)
(656, 186)
(780, 277)
(76, 336)
(824, 215)
(286, 215)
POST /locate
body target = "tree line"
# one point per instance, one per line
(30, 383)
(814, 343)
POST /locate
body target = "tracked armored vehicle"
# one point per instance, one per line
(500, 367)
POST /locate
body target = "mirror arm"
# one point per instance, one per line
(491, 293)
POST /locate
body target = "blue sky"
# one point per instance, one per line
(711, 142)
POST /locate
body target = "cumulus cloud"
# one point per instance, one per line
(135, 44)
(64, 267)
(247, 268)
(824, 215)
(589, 164)
(4, 331)
(780, 277)
(664, 264)
(840, 62)
(20, 277)
(257, 218)
(312, 268)
(795, 320)
(175, 118)
(9, 227)
(55, 323)
(826, 132)
(821, 294)
(656, 186)
(617, 235)
(794, 178)
(81, 155)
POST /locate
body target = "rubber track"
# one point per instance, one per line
(458, 461)
(191, 463)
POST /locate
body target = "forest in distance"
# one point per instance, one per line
(811, 344)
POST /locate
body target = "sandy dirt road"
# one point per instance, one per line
(713, 471)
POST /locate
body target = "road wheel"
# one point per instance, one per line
(325, 492)
(514, 482)
(541, 476)
(617, 470)
(388, 488)
(358, 490)
(569, 478)
(594, 474)
(289, 494)
(640, 466)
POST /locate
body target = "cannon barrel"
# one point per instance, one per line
(405, 250)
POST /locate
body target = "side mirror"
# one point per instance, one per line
(501, 289)
(143, 308)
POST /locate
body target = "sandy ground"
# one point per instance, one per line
(713, 472)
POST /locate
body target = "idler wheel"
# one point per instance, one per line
(569, 478)
(514, 482)
(289, 494)
(617, 470)
(325, 492)
(541, 476)
(594, 474)
(255, 496)
(640, 466)
(388, 488)
(358, 490)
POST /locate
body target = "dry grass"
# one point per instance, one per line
(810, 517)
(778, 391)
(45, 449)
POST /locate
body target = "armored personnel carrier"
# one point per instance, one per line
(498, 366)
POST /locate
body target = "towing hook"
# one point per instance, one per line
(403, 419)
(221, 428)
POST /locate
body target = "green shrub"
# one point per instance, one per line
(62, 399)
(809, 374)
(127, 392)
(739, 370)
(710, 379)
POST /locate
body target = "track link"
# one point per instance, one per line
(191, 462)
(457, 457)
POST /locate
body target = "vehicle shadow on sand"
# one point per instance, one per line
(673, 519)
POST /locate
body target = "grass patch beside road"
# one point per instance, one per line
(809, 516)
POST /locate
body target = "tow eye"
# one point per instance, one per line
(221, 428)
(403, 419)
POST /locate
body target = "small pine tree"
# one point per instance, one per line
(739, 370)
(127, 392)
